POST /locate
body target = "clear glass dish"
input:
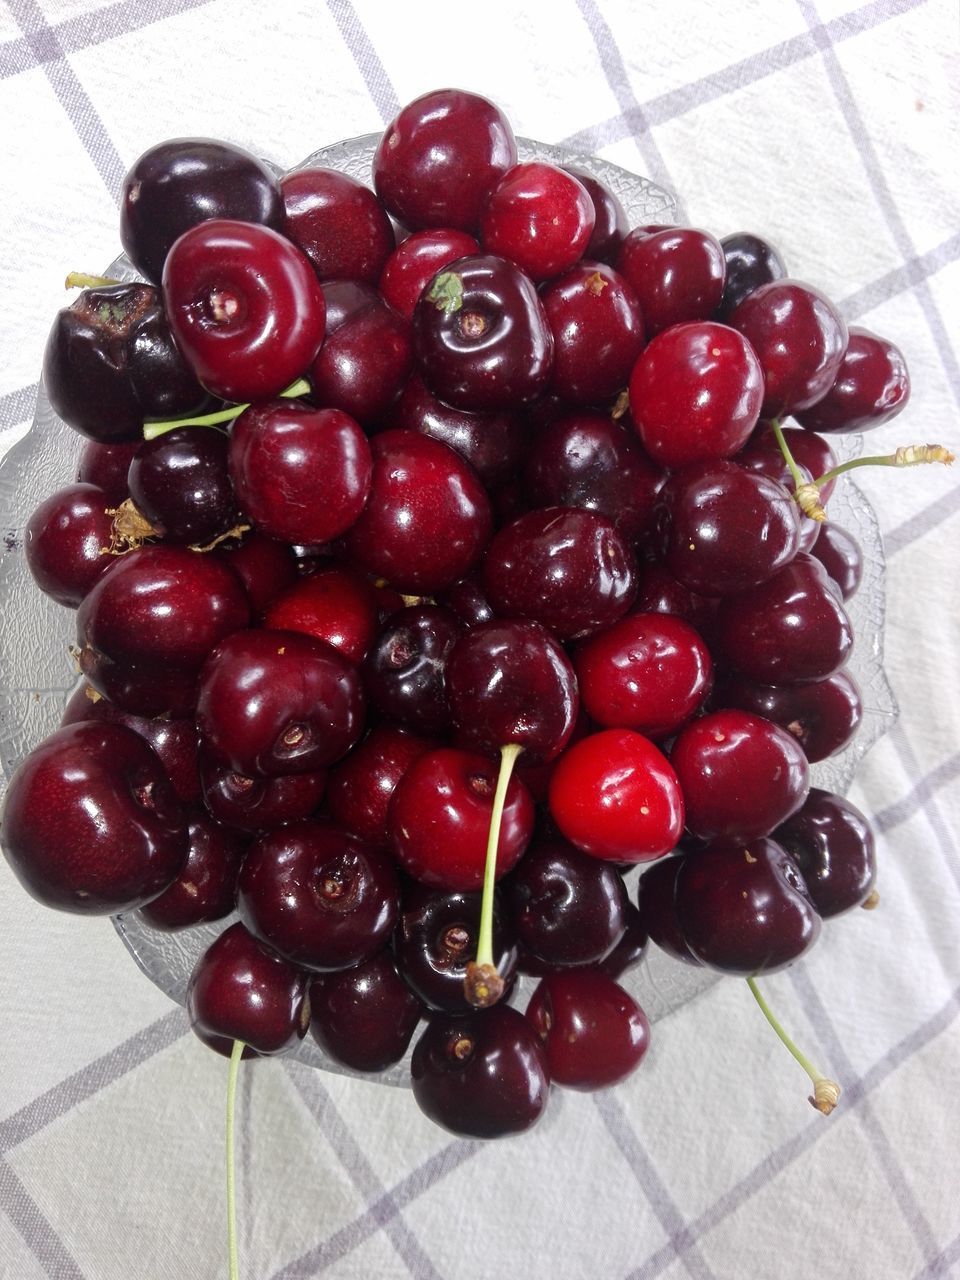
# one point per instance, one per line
(37, 672)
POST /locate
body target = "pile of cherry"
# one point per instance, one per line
(459, 470)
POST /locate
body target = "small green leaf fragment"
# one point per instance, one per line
(446, 292)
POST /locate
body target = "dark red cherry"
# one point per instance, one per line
(750, 261)
(301, 475)
(743, 906)
(799, 337)
(658, 591)
(440, 156)
(241, 990)
(245, 307)
(334, 604)
(338, 223)
(466, 599)
(872, 385)
(741, 775)
(317, 895)
(482, 1074)
(597, 331)
(810, 452)
(206, 887)
(415, 262)
(106, 466)
(539, 217)
(839, 553)
(657, 905)
(366, 356)
(364, 1017)
(179, 482)
(362, 785)
(255, 805)
(265, 567)
(677, 273)
(91, 823)
(631, 948)
(610, 224)
(832, 843)
(428, 517)
(481, 335)
(405, 671)
(823, 715)
(66, 541)
(594, 1034)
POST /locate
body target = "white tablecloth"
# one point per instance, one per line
(829, 127)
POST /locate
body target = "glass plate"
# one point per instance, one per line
(37, 673)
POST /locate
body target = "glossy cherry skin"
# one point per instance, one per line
(364, 1017)
(245, 307)
(695, 394)
(338, 223)
(64, 543)
(631, 948)
(750, 262)
(91, 823)
(650, 672)
(428, 518)
(278, 702)
(436, 938)
(594, 1034)
(241, 990)
(741, 775)
(415, 262)
(439, 819)
(721, 529)
(481, 1075)
(743, 907)
(366, 356)
(317, 895)
(872, 386)
(658, 591)
(466, 599)
(255, 805)
(677, 272)
(106, 466)
(799, 337)
(440, 156)
(265, 567)
(657, 906)
(301, 474)
(405, 671)
(610, 224)
(362, 785)
(539, 217)
(597, 328)
(334, 604)
(511, 682)
(823, 715)
(111, 362)
(589, 460)
(790, 629)
(568, 909)
(832, 843)
(810, 452)
(564, 567)
(179, 482)
(615, 795)
(206, 887)
(839, 553)
(481, 335)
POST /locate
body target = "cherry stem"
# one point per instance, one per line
(80, 280)
(908, 455)
(153, 429)
(235, 1056)
(483, 985)
(785, 450)
(826, 1092)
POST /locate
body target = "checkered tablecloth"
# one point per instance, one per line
(831, 128)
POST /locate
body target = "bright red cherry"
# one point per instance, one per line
(334, 604)
(597, 331)
(539, 217)
(415, 262)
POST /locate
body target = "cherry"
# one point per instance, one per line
(657, 907)
(338, 223)
(405, 670)
(66, 540)
(414, 263)
(743, 906)
(428, 517)
(750, 262)
(632, 947)
(317, 895)
(361, 786)
(695, 394)
(440, 156)
(440, 816)
(658, 591)
(741, 775)
(206, 887)
(539, 217)
(594, 1034)
(480, 1075)
(872, 385)
(364, 1017)
(241, 990)
(106, 466)
(265, 567)
(285, 455)
(245, 307)
(610, 224)
(677, 272)
(823, 715)
(799, 337)
(811, 452)
(334, 604)
(614, 795)
(254, 805)
(366, 356)
(597, 331)
(650, 672)
(831, 842)
(839, 553)
(179, 483)
(91, 823)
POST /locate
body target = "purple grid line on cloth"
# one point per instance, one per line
(901, 278)
(924, 522)
(17, 406)
(919, 795)
(941, 830)
(943, 1263)
(42, 1240)
(317, 1099)
(737, 75)
(374, 73)
(855, 1092)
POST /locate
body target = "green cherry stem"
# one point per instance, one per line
(153, 429)
(785, 450)
(826, 1092)
(909, 455)
(235, 1056)
(483, 986)
(81, 280)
